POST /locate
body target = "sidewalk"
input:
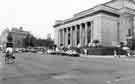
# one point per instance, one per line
(122, 57)
(100, 56)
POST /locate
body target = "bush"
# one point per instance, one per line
(105, 51)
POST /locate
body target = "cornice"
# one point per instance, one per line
(91, 14)
(102, 8)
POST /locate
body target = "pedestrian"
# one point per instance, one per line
(85, 51)
(116, 54)
(9, 54)
(127, 50)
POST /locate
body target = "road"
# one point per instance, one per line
(46, 69)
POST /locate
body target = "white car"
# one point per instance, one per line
(72, 53)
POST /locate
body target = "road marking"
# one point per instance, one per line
(109, 82)
(64, 76)
(121, 79)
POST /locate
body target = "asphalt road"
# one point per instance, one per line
(45, 69)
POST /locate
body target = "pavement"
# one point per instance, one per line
(99, 56)
(35, 68)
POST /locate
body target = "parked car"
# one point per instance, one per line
(72, 53)
(62, 53)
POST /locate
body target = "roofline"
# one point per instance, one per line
(110, 1)
(96, 12)
(95, 7)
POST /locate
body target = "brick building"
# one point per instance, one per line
(17, 35)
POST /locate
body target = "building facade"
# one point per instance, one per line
(110, 23)
(17, 35)
(3, 37)
(49, 36)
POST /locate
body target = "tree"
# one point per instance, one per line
(131, 44)
(28, 41)
(31, 41)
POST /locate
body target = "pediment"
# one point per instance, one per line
(96, 8)
(127, 11)
(115, 4)
(119, 4)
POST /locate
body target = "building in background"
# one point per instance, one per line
(49, 36)
(18, 35)
(109, 23)
(3, 37)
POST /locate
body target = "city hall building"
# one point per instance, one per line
(110, 23)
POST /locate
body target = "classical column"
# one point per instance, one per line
(55, 37)
(86, 34)
(66, 37)
(59, 38)
(71, 36)
(92, 30)
(118, 32)
(63, 37)
(75, 36)
(80, 35)
(83, 34)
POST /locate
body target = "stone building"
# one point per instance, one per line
(110, 23)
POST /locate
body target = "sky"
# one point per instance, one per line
(39, 16)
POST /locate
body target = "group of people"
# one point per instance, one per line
(9, 57)
(122, 48)
(9, 53)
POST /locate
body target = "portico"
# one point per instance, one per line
(79, 34)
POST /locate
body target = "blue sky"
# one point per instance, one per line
(38, 16)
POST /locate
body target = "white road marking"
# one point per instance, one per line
(121, 79)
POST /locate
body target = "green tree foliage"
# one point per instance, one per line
(31, 41)
(131, 44)
(45, 42)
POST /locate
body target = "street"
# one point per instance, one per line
(34, 68)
